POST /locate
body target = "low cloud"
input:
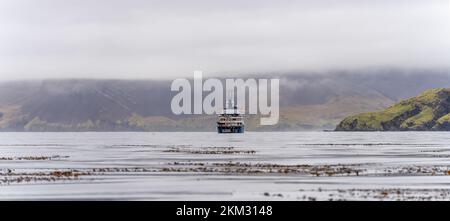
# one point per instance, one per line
(165, 39)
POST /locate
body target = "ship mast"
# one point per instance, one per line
(230, 100)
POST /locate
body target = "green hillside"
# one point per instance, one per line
(428, 111)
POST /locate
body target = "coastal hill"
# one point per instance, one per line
(144, 105)
(308, 101)
(428, 111)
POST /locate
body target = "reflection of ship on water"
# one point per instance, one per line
(230, 120)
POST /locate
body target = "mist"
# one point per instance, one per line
(169, 39)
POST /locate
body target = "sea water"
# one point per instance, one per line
(193, 166)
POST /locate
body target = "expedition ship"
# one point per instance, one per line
(230, 120)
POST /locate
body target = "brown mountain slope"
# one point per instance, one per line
(123, 105)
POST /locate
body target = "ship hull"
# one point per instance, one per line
(230, 130)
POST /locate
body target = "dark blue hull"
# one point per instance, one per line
(230, 130)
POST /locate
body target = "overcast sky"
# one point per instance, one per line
(160, 39)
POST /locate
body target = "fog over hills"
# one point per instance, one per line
(308, 101)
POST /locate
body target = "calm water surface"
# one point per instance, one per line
(171, 166)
